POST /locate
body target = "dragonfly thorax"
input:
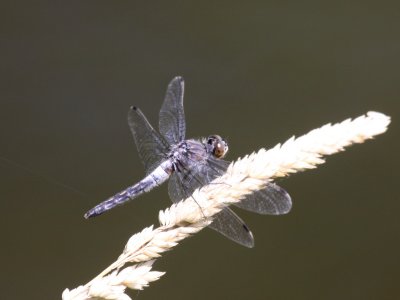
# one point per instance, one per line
(189, 154)
(179, 155)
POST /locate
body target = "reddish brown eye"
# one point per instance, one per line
(219, 150)
(216, 146)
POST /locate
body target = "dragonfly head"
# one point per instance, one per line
(217, 146)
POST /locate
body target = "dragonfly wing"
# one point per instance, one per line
(230, 225)
(175, 189)
(181, 186)
(216, 167)
(183, 183)
(272, 200)
(151, 146)
(172, 116)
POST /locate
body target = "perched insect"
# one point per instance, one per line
(189, 164)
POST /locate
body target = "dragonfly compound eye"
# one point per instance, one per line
(220, 149)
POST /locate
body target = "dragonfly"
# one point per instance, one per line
(189, 164)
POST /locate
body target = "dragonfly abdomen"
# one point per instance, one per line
(154, 179)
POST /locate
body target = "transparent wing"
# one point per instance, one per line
(216, 167)
(273, 200)
(181, 186)
(231, 226)
(175, 189)
(151, 146)
(172, 117)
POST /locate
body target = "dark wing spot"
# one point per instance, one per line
(246, 228)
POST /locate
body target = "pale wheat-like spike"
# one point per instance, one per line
(141, 257)
(163, 217)
(292, 156)
(139, 239)
(137, 277)
(113, 286)
(244, 176)
(163, 243)
(79, 293)
(106, 288)
(164, 239)
(153, 251)
(185, 231)
(135, 242)
(166, 236)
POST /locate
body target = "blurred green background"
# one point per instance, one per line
(256, 72)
